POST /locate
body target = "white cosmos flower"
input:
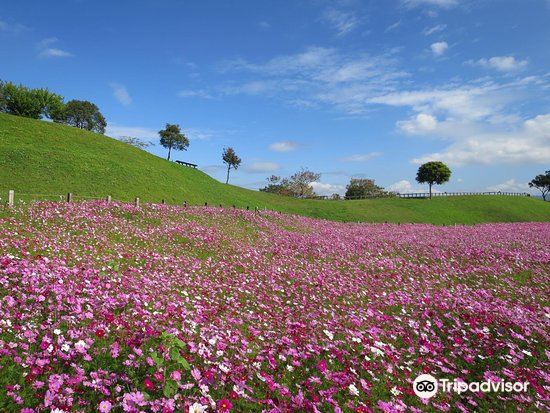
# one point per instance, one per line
(354, 391)
(197, 408)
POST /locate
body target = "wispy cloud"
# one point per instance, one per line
(199, 93)
(319, 76)
(46, 49)
(500, 63)
(12, 28)
(438, 48)
(284, 146)
(262, 167)
(393, 26)
(341, 21)
(438, 3)
(148, 134)
(264, 25)
(121, 94)
(434, 29)
(361, 158)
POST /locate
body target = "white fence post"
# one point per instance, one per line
(136, 203)
(11, 197)
(69, 197)
(109, 198)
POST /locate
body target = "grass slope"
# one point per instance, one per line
(44, 158)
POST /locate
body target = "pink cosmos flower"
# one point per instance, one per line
(105, 406)
(224, 405)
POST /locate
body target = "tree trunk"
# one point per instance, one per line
(169, 150)
(430, 190)
(228, 168)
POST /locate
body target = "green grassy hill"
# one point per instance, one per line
(44, 158)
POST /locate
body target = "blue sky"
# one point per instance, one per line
(346, 88)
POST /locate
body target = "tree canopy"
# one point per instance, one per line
(434, 172)
(231, 159)
(298, 185)
(82, 114)
(363, 188)
(542, 183)
(171, 137)
(20, 100)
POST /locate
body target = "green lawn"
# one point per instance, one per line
(44, 158)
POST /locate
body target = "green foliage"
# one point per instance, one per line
(20, 100)
(82, 114)
(172, 137)
(297, 186)
(231, 159)
(542, 183)
(433, 173)
(31, 151)
(364, 188)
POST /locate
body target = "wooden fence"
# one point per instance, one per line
(70, 197)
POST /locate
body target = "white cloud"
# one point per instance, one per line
(284, 146)
(435, 29)
(438, 48)
(438, 3)
(420, 124)
(361, 158)
(509, 186)
(500, 63)
(404, 187)
(121, 94)
(262, 167)
(321, 188)
(195, 94)
(343, 22)
(47, 51)
(528, 144)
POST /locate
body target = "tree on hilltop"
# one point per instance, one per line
(82, 114)
(542, 183)
(433, 173)
(171, 137)
(231, 159)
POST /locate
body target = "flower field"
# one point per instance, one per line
(107, 307)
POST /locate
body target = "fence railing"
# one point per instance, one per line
(70, 197)
(439, 194)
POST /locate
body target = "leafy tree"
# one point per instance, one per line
(231, 159)
(82, 114)
(335, 196)
(363, 188)
(20, 100)
(542, 183)
(276, 185)
(138, 143)
(433, 173)
(300, 183)
(172, 138)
